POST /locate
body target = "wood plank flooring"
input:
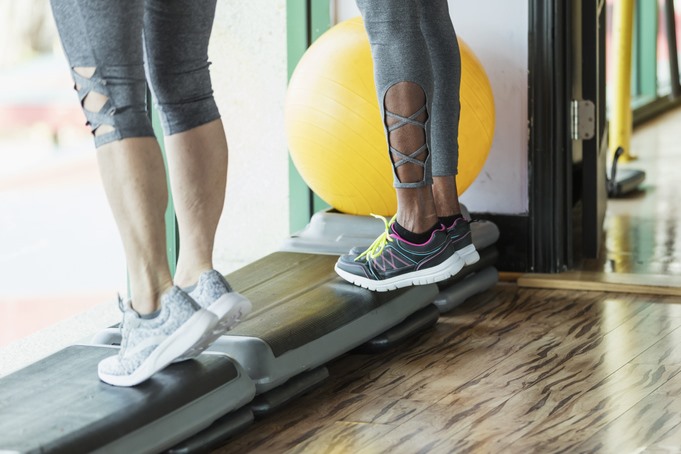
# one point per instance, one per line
(513, 370)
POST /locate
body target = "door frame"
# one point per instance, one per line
(550, 143)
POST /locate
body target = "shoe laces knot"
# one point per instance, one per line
(379, 243)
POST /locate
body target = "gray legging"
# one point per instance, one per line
(414, 41)
(122, 38)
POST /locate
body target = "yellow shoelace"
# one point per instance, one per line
(379, 244)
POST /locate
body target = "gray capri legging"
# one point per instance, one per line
(128, 42)
(414, 41)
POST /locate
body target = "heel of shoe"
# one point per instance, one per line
(230, 308)
(469, 254)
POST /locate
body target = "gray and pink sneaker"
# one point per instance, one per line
(391, 262)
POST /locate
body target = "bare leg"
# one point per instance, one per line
(197, 161)
(135, 183)
(446, 196)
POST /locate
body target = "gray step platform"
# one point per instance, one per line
(416, 323)
(330, 232)
(58, 404)
(304, 316)
(472, 285)
(472, 280)
(217, 434)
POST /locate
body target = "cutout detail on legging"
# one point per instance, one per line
(94, 100)
(406, 114)
(411, 157)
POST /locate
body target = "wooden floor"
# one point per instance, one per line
(513, 370)
(521, 370)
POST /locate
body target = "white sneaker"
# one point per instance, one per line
(214, 293)
(149, 345)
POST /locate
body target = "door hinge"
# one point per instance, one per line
(583, 119)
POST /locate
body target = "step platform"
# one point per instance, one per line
(59, 405)
(470, 281)
(304, 316)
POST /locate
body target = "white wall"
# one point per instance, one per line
(249, 71)
(497, 31)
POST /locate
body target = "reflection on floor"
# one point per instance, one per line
(642, 230)
(642, 247)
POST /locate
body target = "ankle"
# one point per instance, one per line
(449, 221)
(418, 217)
(147, 287)
(416, 209)
(148, 301)
(415, 238)
(187, 276)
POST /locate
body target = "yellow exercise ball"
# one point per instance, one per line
(335, 132)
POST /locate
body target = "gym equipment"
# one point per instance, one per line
(335, 132)
(58, 404)
(470, 281)
(326, 318)
(285, 335)
(255, 350)
(304, 315)
(622, 181)
(331, 232)
(473, 279)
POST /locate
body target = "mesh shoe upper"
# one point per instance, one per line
(141, 336)
(211, 286)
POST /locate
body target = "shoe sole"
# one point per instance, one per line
(194, 334)
(230, 308)
(469, 254)
(444, 270)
